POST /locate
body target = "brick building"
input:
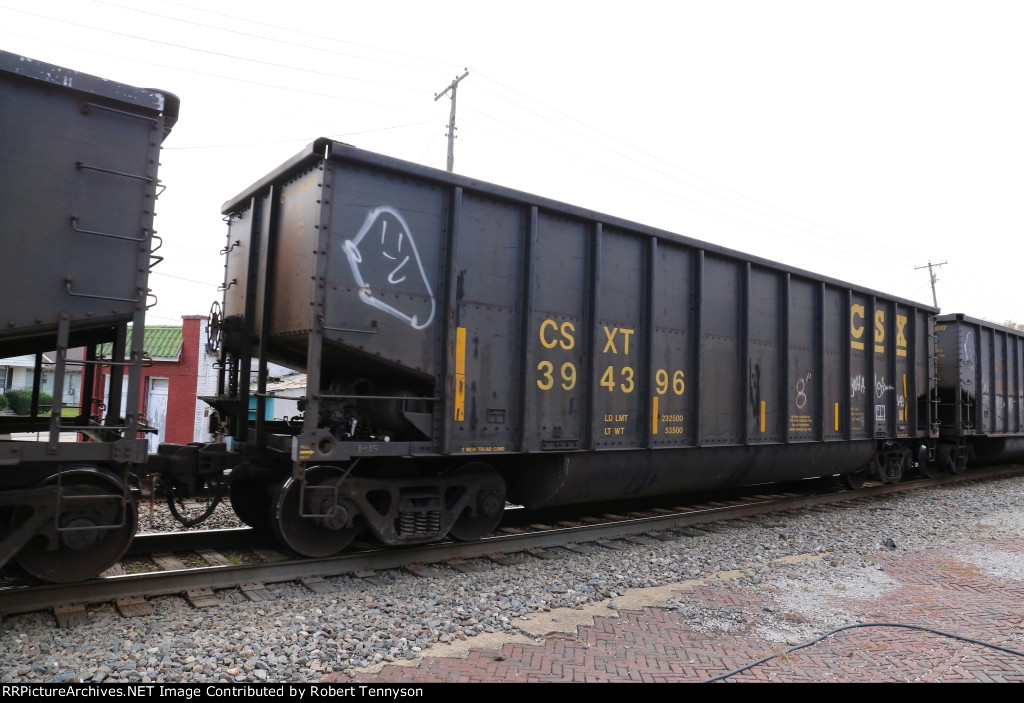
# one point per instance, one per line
(181, 371)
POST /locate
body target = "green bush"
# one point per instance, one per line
(3, 402)
(20, 400)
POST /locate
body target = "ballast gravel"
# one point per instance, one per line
(301, 636)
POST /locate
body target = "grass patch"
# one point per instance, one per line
(241, 556)
(138, 565)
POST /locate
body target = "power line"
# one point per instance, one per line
(301, 140)
(844, 242)
(419, 60)
(209, 52)
(551, 116)
(669, 196)
(303, 45)
(319, 93)
(656, 158)
(451, 136)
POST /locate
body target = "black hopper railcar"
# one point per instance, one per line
(468, 345)
(981, 389)
(465, 345)
(78, 185)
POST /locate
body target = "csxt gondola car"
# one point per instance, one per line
(467, 344)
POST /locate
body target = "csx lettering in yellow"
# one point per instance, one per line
(610, 333)
(552, 334)
(857, 326)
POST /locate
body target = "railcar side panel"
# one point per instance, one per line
(803, 409)
(718, 384)
(488, 345)
(672, 344)
(862, 380)
(761, 376)
(291, 223)
(559, 347)
(836, 385)
(619, 362)
(384, 286)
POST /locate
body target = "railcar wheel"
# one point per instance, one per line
(487, 506)
(253, 503)
(84, 548)
(331, 531)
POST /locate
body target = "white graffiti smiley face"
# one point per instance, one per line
(385, 260)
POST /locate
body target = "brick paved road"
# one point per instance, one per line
(644, 642)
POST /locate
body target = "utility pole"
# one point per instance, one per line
(931, 274)
(451, 118)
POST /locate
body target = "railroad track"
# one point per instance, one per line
(195, 564)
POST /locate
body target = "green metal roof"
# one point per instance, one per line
(160, 342)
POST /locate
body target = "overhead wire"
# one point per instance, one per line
(894, 265)
(210, 52)
(319, 93)
(632, 147)
(1004, 308)
(602, 143)
(344, 77)
(604, 135)
(301, 140)
(307, 33)
(847, 246)
(662, 192)
(182, 278)
(255, 36)
(632, 181)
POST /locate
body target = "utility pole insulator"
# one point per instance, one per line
(931, 274)
(453, 87)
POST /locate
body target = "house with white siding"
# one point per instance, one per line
(16, 374)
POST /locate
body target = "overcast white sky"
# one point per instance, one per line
(856, 139)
